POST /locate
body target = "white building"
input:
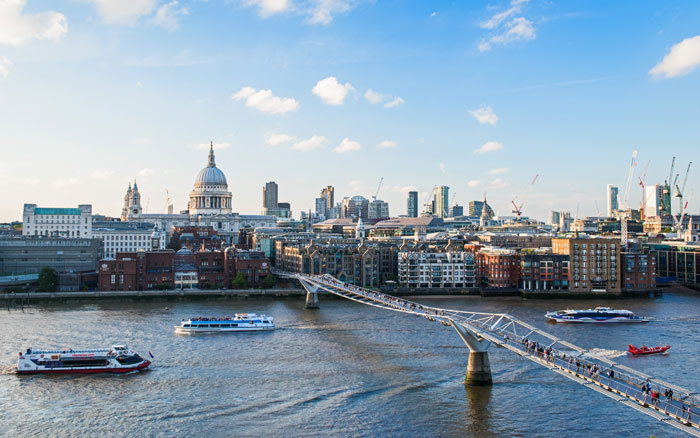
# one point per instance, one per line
(653, 202)
(128, 237)
(210, 205)
(57, 222)
(436, 269)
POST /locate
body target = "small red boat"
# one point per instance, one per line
(647, 350)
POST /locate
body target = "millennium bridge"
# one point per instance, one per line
(679, 408)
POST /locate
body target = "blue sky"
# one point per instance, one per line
(479, 96)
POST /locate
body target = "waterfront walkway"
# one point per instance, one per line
(627, 386)
(37, 296)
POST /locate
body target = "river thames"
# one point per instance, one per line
(343, 370)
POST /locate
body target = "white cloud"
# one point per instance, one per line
(395, 102)
(322, 11)
(103, 174)
(147, 172)
(387, 144)
(168, 14)
(683, 58)
(498, 171)
(273, 139)
(497, 19)
(17, 28)
(473, 183)
(434, 14)
(510, 30)
(347, 145)
(218, 146)
(331, 91)
(61, 183)
(498, 183)
(314, 142)
(5, 65)
(139, 84)
(265, 101)
(123, 11)
(485, 115)
(376, 98)
(443, 169)
(489, 146)
(32, 181)
(270, 7)
(355, 185)
(399, 189)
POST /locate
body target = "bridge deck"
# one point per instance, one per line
(624, 384)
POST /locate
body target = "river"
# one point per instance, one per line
(343, 370)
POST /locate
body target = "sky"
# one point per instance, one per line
(478, 96)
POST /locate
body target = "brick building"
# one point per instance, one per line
(497, 268)
(137, 271)
(594, 263)
(544, 271)
(638, 271)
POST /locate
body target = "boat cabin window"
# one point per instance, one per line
(203, 325)
(187, 325)
(225, 325)
(234, 325)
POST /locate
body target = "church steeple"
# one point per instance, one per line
(211, 162)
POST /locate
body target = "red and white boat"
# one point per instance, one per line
(647, 350)
(118, 359)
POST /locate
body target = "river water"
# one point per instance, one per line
(344, 370)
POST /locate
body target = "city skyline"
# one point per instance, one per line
(480, 98)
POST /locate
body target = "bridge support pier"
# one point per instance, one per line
(311, 294)
(479, 367)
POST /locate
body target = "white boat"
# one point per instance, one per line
(118, 359)
(597, 315)
(240, 322)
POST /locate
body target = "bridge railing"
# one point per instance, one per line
(504, 329)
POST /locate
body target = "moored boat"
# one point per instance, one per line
(118, 359)
(240, 322)
(597, 315)
(647, 350)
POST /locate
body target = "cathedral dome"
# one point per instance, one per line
(210, 175)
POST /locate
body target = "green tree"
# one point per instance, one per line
(241, 281)
(269, 281)
(47, 279)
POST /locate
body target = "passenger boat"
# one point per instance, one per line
(634, 351)
(240, 322)
(118, 359)
(597, 315)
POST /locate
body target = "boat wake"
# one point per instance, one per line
(608, 354)
(7, 369)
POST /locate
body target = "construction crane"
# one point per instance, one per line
(427, 200)
(374, 198)
(681, 190)
(518, 209)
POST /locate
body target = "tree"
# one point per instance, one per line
(47, 279)
(241, 281)
(269, 281)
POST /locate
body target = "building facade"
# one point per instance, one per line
(132, 271)
(270, 195)
(594, 263)
(435, 269)
(542, 271)
(57, 222)
(27, 255)
(378, 209)
(497, 268)
(127, 237)
(441, 201)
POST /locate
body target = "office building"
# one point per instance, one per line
(328, 194)
(57, 222)
(378, 209)
(435, 269)
(320, 207)
(612, 193)
(456, 211)
(442, 200)
(412, 204)
(28, 254)
(270, 195)
(355, 207)
(554, 218)
(475, 208)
